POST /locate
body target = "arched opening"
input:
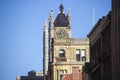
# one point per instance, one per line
(62, 53)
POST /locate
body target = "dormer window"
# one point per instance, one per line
(62, 53)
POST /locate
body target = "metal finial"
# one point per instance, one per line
(61, 8)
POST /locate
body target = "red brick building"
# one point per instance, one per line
(76, 75)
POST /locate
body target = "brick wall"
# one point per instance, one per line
(76, 75)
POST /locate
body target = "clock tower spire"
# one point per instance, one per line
(61, 19)
(62, 25)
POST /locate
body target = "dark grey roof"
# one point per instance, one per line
(61, 20)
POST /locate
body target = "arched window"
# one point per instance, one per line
(61, 53)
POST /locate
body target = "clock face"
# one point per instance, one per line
(61, 33)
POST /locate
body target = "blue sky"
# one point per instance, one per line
(21, 30)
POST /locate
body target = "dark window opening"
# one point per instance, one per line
(62, 53)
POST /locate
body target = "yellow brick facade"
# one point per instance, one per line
(63, 65)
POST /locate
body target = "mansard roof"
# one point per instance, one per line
(61, 20)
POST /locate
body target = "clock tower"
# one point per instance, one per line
(62, 25)
(62, 52)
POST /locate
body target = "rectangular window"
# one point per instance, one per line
(83, 54)
(61, 73)
(65, 72)
(77, 54)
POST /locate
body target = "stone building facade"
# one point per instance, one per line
(100, 67)
(112, 58)
(61, 51)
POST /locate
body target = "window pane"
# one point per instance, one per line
(61, 73)
(61, 51)
(77, 51)
(83, 54)
(65, 72)
(77, 54)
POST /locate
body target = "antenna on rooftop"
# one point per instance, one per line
(93, 16)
